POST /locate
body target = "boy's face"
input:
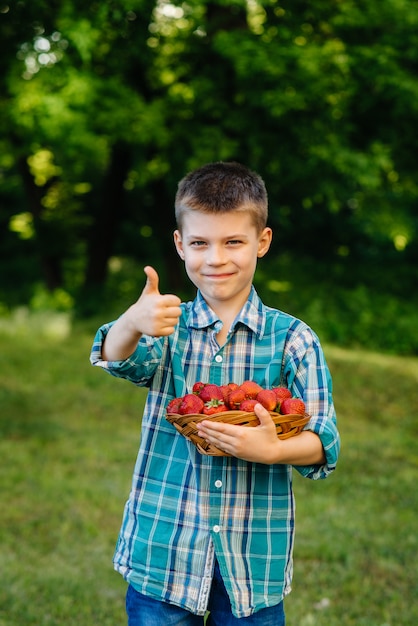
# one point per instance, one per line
(220, 253)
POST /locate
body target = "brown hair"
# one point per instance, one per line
(220, 188)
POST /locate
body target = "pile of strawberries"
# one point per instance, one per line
(210, 399)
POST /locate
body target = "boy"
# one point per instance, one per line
(215, 533)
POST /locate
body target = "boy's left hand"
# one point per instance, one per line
(258, 444)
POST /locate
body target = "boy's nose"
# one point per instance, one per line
(215, 256)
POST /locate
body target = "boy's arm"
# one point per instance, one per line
(261, 444)
(153, 314)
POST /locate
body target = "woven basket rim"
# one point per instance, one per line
(286, 426)
(232, 414)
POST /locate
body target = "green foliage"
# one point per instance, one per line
(105, 106)
(57, 300)
(69, 437)
(362, 318)
(356, 315)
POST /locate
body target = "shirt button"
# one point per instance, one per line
(218, 358)
(218, 484)
(216, 528)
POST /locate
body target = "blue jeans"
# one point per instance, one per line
(145, 611)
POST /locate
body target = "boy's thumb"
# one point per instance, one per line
(263, 415)
(151, 286)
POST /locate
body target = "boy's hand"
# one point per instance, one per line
(260, 444)
(257, 444)
(154, 314)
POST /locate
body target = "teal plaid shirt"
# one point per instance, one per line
(184, 508)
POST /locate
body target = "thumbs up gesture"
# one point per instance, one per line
(152, 314)
(155, 314)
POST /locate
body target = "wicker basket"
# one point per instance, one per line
(286, 426)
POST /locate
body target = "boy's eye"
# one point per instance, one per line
(199, 243)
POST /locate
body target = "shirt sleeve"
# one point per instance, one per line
(309, 378)
(138, 368)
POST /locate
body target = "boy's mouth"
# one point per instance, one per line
(219, 276)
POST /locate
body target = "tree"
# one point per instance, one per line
(106, 106)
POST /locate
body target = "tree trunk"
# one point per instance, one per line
(107, 218)
(50, 252)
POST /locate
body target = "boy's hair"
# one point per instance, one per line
(220, 188)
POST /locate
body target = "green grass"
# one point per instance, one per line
(69, 436)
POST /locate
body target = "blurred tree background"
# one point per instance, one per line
(104, 106)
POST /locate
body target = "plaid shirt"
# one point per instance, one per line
(184, 508)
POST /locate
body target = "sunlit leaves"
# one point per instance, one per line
(42, 167)
(22, 224)
(43, 52)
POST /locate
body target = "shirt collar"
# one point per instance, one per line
(252, 314)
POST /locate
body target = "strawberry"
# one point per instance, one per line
(226, 390)
(282, 393)
(235, 397)
(268, 399)
(248, 405)
(250, 389)
(173, 406)
(197, 387)
(211, 392)
(214, 406)
(191, 404)
(290, 406)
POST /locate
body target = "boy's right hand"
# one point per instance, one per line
(154, 313)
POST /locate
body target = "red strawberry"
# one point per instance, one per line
(235, 397)
(250, 388)
(290, 406)
(213, 407)
(211, 392)
(197, 387)
(282, 393)
(226, 390)
(248, 405)
(268, 399)
(173, 406)
(191, 404)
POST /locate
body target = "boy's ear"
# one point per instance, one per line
(178, 242)
(264, 241)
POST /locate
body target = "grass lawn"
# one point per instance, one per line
(69, 436)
